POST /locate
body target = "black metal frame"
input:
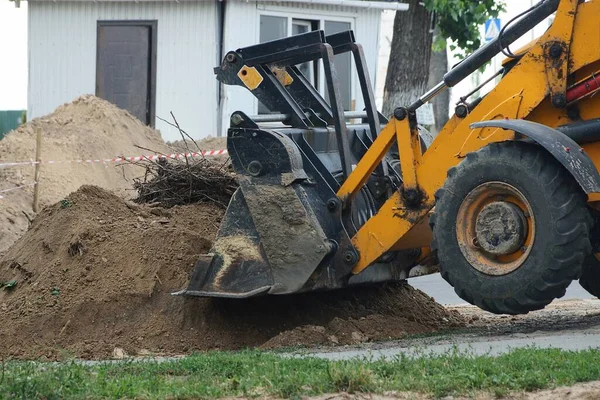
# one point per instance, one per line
(303, 163)
(153, 25)
(300, 100)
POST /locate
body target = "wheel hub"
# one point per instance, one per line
(501, 228)
(495, 228)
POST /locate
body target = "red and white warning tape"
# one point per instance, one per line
(154, 157)
(16, 188)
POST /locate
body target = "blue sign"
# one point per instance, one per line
(492, 29)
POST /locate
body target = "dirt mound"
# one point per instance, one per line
(87, 128)
(355, 316)
(95, 273)
(209, 143)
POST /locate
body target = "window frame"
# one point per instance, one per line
(321, 17)
(306, 23)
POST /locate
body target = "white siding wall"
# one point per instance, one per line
(62, 57)
(242, 29)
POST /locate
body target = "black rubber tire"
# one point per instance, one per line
(590, 279)
(562, 221)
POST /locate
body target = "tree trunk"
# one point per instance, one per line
(408, 68)
(438, 67)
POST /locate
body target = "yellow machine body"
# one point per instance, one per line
(524, 93)
(505, 198)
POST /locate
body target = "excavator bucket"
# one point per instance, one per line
(285, 230)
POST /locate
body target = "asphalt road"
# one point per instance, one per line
(435, 286)
(486, 345)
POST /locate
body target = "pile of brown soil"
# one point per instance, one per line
(209, 143)
(87, 128)
(95, 273)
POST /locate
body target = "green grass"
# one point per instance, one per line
(253, 373)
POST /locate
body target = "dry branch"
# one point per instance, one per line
(171, 182)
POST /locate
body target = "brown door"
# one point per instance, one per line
(125, 72)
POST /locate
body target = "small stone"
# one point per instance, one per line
(119, 353)
(358, 337)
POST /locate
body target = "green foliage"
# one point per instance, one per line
(259, 374)
(65, 203)
(8, 285)
(460, 21)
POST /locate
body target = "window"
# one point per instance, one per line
(273, 27)
(342, 64)
(298, 27)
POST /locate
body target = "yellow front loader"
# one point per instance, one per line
(504, 199)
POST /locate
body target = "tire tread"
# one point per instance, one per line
(572, 227)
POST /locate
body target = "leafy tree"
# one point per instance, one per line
(457, 22)
(460, 20)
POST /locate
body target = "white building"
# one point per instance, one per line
(154, 57)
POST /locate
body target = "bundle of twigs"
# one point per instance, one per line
(170, 182)
(175, 182)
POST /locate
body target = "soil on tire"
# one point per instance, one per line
(562, 225)
(95, 273)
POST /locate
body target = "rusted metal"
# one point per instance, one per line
(492, 229)
(501, 228)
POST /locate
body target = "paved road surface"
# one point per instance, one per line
(566, 340)
(435, 286)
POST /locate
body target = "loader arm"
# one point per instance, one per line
(519, 93)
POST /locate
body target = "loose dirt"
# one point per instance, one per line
(87, 128)
(95, 272)
(209, 143)
(579, 391)
(560, 315)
